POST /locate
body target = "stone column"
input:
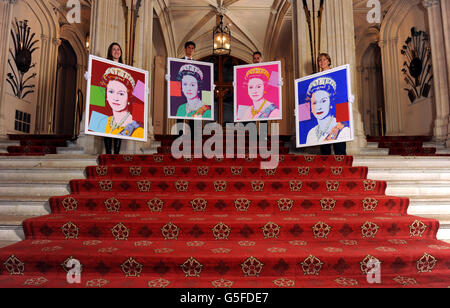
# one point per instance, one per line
(302, 60)
(338, 35)
(107, 26)
(143, 59)
(445, 9)
(440, 77)
(5, 27)
(46, 90)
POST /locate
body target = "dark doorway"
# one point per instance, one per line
(66, 89)
(224, 93)
(373, 102)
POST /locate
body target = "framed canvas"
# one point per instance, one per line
(323, 108)
(258, 92)
(116, 100)
(190, 90)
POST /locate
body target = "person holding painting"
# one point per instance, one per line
(334, 130)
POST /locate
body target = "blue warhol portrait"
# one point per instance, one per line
(323, 108)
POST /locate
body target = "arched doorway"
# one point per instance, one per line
(373, 103)
(66, 90)
(223, 79)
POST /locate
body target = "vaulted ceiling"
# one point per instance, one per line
(253, 24)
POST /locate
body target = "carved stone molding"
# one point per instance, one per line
(430, 3)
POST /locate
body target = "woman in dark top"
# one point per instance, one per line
(114, 54)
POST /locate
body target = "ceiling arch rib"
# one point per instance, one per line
(250, 22)
(275, 25)
(255, 43)
(195, 29)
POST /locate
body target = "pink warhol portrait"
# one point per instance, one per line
(258, 92)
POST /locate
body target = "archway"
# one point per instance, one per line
(224, 93)
(66, 81)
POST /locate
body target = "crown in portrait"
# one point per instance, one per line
(257, 71)
(322, 83)
(193, 69)
(115, 73)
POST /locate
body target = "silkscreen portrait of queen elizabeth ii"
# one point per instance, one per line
(323, 111)
(258, 95)
(117, 100)
(190, 90)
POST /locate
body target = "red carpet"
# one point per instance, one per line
(152, 221)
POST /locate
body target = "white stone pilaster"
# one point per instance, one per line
(445, 10)
(6, 7)
(143, 58)
(339, 41)
(440, 77)
(108, 25)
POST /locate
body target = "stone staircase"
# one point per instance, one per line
(27, 183)
(424, 180)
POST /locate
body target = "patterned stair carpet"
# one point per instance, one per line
(406, 145)
(36, 145)
(153, 221)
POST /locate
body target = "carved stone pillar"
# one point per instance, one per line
(46, 90)
(302, 60)
(339, 41)
(143, 58)
(5, 27)
(108, 25)
(445, 9)
(440, 77)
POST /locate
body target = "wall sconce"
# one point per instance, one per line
(88, 42)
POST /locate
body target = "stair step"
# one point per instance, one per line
(417, 188)
(33, 189)
(49, 161)
(403, 161)
(422, 205)
(70, 150)
(7, 243)
(24, 206)
(9, 143)
(179, 261)
(374, 151)
(443, 151)
(40, 174)
(13, 220)
(10, 233)
(437, 145)
(11, 227)
(409, 174)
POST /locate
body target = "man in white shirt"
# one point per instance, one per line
(189, 51)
